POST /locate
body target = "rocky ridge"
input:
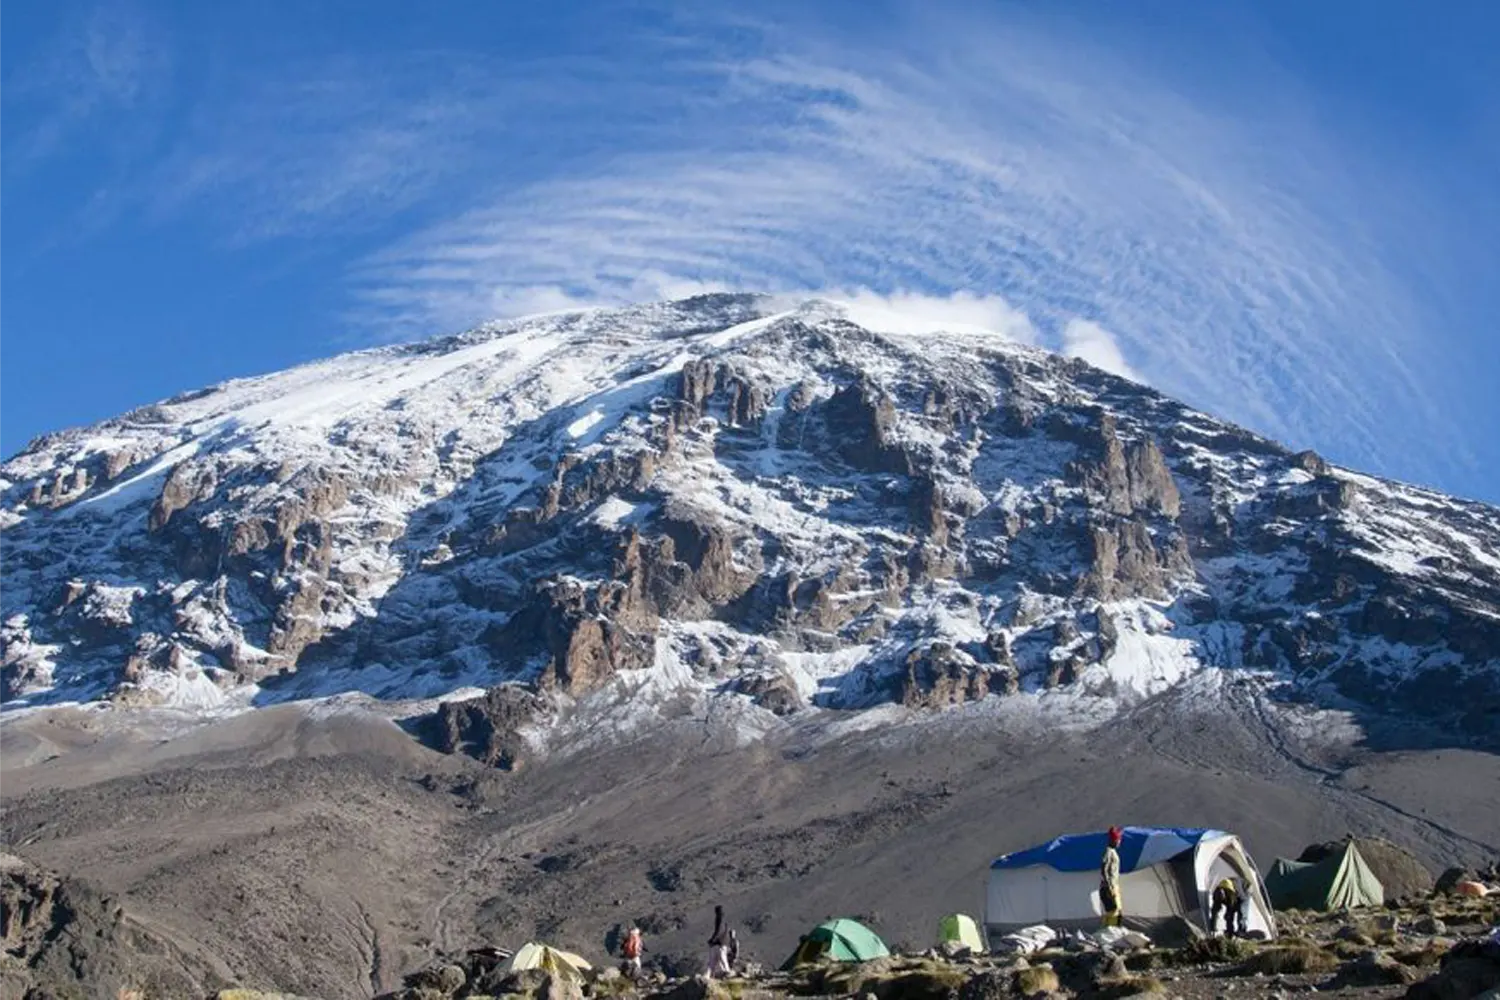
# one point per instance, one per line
(62, 938)
(722, 501)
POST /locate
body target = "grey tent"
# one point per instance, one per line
(1342, 879)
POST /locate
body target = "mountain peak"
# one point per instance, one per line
(777, 507)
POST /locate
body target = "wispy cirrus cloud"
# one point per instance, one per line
(1224, 260)
(324, 147)
(111, 60)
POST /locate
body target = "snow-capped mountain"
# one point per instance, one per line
(725, 499)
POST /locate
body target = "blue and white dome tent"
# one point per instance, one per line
(1165, 873)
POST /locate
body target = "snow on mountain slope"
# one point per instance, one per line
(725, 504)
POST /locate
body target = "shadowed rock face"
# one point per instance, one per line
(568, 501)
(58, 932)
(487, 728)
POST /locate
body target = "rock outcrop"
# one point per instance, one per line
(938, 676)
(488, 728)
(60, 938)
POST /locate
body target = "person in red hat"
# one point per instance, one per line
(1109, 878)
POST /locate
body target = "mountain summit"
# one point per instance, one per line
(729, 506)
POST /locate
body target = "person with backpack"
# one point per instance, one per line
(718, 947)
(1109, 878)
(631, 950)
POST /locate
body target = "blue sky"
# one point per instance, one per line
(1283, 212)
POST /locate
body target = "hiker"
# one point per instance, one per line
(1227, 898)
(631, 951)
(1109, 878)
(718, 947)
(734, 949)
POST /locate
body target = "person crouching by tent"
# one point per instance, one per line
(1109, 878)
(718, 947)
(631, 952)
(1226, 899)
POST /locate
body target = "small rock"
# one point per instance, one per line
(994, 984)
(1354, 935)
(1430, 925)
(1037, 979)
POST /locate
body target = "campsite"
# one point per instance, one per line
(1321, 923)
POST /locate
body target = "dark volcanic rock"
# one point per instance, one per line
(937, 676)
(63, 939)
(775, 693)
(860, 420)
(1469, 969)
(487, 728)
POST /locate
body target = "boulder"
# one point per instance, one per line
(990, 984)
(1036, 980)
(1177, 933)
(1448, 881)
(1086, 970)
(1373, 968)
(1468, 970)
(446, 979)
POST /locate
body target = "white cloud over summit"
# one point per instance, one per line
(1084, 339)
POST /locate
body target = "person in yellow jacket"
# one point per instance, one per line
(1109, 878)
(1226, 898)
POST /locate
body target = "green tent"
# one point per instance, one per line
(960, 929)
(1342, 879)
(840, 940)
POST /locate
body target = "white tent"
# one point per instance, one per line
(1164, 873)
(563, 964)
